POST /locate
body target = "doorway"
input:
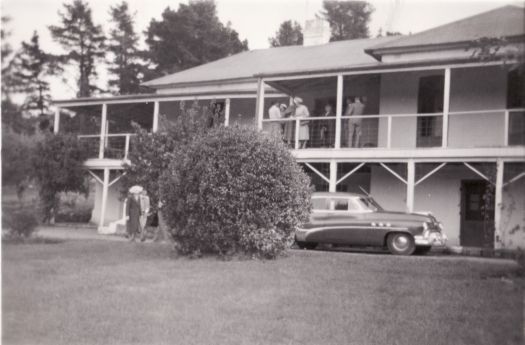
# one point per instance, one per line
(430, 101)
(477, 214)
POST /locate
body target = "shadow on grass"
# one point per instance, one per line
(14, 240)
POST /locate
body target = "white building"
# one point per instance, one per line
(438, 128)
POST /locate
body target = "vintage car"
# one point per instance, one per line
(357, 220)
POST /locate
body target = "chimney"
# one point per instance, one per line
(316, 31)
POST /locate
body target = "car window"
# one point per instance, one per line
(320, 204)
(340, 204)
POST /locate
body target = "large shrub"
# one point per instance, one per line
(234, 190)
(58, 167)
(20, 222)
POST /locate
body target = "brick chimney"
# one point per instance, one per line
(316, 31)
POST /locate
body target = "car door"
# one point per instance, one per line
(343, 223)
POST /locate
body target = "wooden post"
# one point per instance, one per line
(389, 132)
(260, 103)
(103, 130)
(446, 108)
(506, 128)
(105, 187)
(155, 126)
(56, 123)
(498, 200)
(126, 147)
(227, 112)
(332, 187)
(296, 128)
(411, 177)
(338, 111)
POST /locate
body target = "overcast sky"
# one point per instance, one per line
(255, 20)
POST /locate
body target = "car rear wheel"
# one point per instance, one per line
(400, 244)
(306, 245)
(422, 250)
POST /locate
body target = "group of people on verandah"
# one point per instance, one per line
(322, 131)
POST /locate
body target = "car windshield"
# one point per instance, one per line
(369, 204)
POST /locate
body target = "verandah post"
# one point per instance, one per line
(155, 126)
(105, 186)
(56, 123)
(411, 177)
(332, 187)
(103, 130)
(446, 108)
(338, 111)
(260, 103)
(227, 112)
(498, 204)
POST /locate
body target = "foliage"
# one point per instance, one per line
(234, 190)
(348, 19)
(16, 165)
(73, 208)
(152, 153)
(123, 44)
(190, 36)
(486, 49)
(31, 66)
(83, 41)
(20, 222)
(58, 167)
(289, 34)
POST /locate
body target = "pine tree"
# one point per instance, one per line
(348, 19)
(289, 34)
(125, 65)
(83, 40)
(31, 67)
(190, 36)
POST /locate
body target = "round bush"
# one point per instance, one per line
(234, 190)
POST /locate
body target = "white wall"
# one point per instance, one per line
(513, 215)
(114, 206)
(482, 88)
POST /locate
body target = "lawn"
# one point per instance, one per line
(101, 292)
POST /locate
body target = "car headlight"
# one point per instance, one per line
(425, 226)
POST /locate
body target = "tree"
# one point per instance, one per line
(83, 40)
(32, 66)
(289, 34)
(58, 165)
(125, 65)
(348, 19)
(190, 36)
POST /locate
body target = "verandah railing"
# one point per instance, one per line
(110, 146)
(465, 129)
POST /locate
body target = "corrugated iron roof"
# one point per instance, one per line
(507, 21)
(291, 59)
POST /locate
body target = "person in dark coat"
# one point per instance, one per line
(133, 210)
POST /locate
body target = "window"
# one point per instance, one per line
(341, 204)
(344, 204)
(516, 88)
(320, 204)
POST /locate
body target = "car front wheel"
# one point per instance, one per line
(400, 244)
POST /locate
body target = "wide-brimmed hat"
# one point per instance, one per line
(136, 189)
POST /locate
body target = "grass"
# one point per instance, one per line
(100, 292)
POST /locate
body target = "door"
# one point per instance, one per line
(430, 100)
(477, 214)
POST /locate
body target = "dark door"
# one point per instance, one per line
(477, 214)
(430, 100)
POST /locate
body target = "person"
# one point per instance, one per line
(133, 212)
(326, 127)
(145, 208)
(289, 126)
(274, 113)
(304, 129)
(355, 108)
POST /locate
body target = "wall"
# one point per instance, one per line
(513, 215)
(481, 88)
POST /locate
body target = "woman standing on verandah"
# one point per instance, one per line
(304, 129)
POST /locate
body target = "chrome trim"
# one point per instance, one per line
(352, 227)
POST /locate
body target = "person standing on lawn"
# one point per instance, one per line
(133, 212)
(144, 207)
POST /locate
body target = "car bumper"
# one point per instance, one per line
(300, 234)
(434, 239)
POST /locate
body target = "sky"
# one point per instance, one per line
(254, 20)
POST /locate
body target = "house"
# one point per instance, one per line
(440, 129)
